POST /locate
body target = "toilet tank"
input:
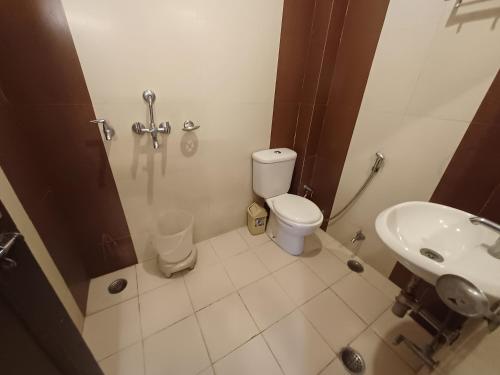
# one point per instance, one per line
(272, 171)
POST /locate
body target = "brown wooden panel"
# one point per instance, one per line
(52, 156)
(362, 26)
(472, 179)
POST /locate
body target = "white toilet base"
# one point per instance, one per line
(169, 268)
(289, 239)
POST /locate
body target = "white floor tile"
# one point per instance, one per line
(379, 281)
(245, 268)
(299, 282)
(273, 256)
(129, 361)
(228, 244)
(388, 326)
(113, 329)
(208, 371)
(250, 359)
(331, 317)
(335, 368)
(379, 358)
(328, 267)
(164, 306)
(326, 240)
(252, 240)
(150, 277)
(226, 325)
(208, 285)
(366, 300)
(177, 350)
(297, 346)
(266, 301)
(99, 297)
(206, 255)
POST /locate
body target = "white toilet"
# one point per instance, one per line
(292, 217)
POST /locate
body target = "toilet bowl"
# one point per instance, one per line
(292, 217)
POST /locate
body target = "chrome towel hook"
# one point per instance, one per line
(107, 130)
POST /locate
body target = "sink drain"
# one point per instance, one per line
(431, 254)
(355, 266)
(117, 286)
(352, 361)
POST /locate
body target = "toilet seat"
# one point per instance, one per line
(296, 209)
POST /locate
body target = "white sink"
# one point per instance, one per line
(466, 248)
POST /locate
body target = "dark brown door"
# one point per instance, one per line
(37, 336)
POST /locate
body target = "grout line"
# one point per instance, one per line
(199, 325)
(140, 320)
(391, 346)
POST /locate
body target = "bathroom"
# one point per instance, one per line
(126, 122)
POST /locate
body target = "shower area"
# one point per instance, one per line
(126, 170)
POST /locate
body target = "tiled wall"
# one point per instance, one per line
(52, 156)
(210, 62)
(310, 37)
(432, 68)
(320, 85)
(472, 180)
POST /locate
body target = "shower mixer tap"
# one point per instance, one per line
(139, 128)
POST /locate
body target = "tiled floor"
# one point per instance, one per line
(249, 308)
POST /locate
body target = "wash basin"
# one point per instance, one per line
(432, 240)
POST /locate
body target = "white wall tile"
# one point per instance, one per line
(432, 67)
(207, 62)
(417, 150)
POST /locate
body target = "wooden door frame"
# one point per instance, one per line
(28, 293)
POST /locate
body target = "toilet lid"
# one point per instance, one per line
(297, 209)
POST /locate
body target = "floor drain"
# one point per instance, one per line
(355, 266)
(117, 286)
(352, 361)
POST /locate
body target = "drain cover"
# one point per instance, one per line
(431, 254)
(117, 286)
(352, 361)
(355, 266)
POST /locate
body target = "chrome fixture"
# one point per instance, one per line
(377, 166)
(117, 286)
(139, 128)
(352, 360)
(425, 353)
(476, 220)
(445, 335)
(308, 191)
(7, 240)
(358, 236)
(107, 130)
(189, 126)
(465, 298)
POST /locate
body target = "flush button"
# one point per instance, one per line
(277, 152)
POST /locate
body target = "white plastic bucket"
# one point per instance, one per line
(173, 239)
